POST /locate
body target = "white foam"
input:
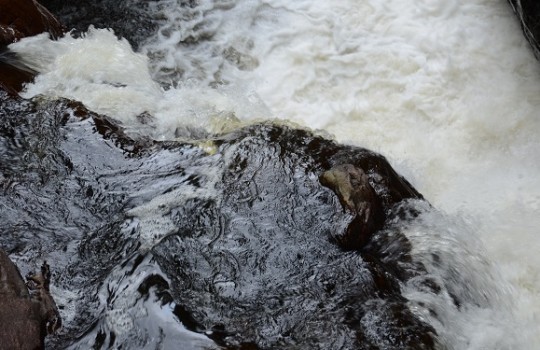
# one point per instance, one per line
(106, 75)
(99, 70)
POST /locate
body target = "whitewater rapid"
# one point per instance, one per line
(447, 90)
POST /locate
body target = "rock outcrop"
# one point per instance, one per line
(19, 19)
(22, 18)
(25, 317)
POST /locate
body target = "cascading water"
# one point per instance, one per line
(447, 90)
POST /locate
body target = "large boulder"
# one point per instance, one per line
(528, 12)
(266, 237)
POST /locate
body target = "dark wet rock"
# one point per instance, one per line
(19, 19)
(22, 18)
(240, 245)
(26, 318)
(271, 269)
(128, 18)
(12, 75)
(528, 13)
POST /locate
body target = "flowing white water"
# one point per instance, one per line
(448, 90)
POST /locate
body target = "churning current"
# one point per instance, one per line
(447, 90)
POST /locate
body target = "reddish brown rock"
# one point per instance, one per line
(19, 19)
(25, 317)
(13, 78)
(22, 18)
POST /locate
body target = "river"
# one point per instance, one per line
(447, 90)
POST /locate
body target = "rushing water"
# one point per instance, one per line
(446, 89)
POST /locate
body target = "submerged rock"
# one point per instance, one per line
(269, 267)
(235, 243)
(528, 13)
